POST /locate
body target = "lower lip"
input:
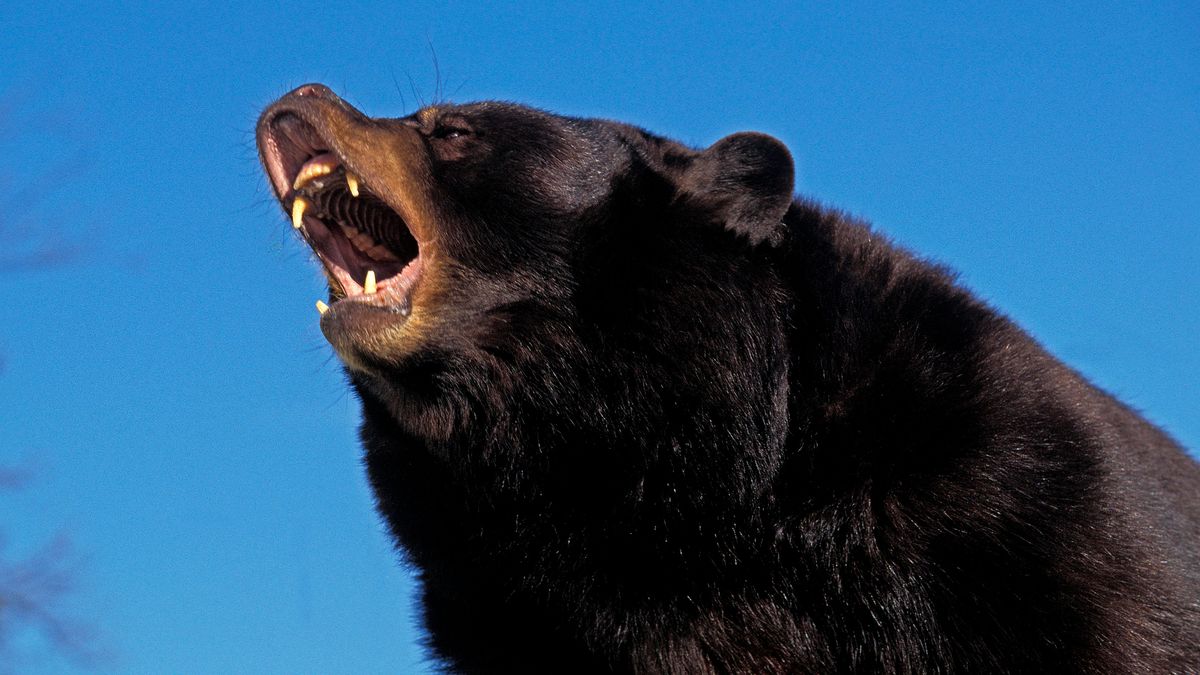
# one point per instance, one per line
(393, 294)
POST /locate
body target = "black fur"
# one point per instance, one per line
(665, 419)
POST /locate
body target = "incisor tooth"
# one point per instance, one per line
(309, 172)
(352, 183)
(322, 307)
(369, 284)
(298, 207)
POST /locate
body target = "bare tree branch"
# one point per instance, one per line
(36, 588)
(28, 239)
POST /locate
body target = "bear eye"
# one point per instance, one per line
(448, 132)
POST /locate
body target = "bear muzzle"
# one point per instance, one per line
(359, 193)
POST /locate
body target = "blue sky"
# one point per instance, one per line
(182, 415)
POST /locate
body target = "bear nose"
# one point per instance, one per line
(314, 89)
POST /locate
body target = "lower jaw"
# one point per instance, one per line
(371, 331)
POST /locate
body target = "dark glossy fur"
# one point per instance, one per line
(658, 430)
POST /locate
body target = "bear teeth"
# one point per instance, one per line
(321, 165)
(366, 244)
(298, 207)
(324, 165)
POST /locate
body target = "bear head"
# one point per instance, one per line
(505, 281)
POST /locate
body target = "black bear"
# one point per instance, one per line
(631, 407)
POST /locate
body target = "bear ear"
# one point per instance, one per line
(744, 180)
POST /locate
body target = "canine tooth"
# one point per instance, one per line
(298, 207)
(322, 308)
(352, 183)
(369, 284)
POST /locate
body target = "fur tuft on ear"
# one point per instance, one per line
(746, 180)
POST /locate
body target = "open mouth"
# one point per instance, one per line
(368, 251)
